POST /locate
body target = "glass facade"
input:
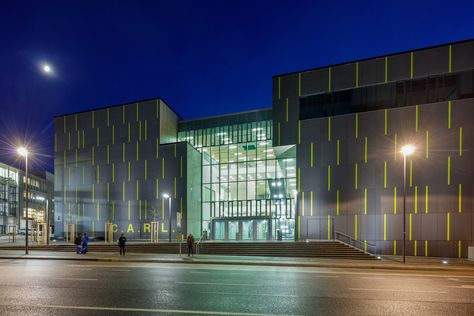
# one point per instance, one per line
(248, 187)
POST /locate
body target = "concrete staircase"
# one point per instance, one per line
(321, 249)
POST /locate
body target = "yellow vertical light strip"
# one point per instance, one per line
(385, 115)
(384, 226)
(64, 124)
(299, 179)
(299, 227)
(416, 118)
(311, 202)
(123, 191)
(426, 199)
(329, 227)
(157, 145)
(410, 222)
(460, 141)
(279, 140)
(69, 176)
(365, 245)
(329, 177)
(357, 125)
(448, 226)
(385, 174)
(357, 74)
(337, 152)
(299, 84)
(181, 166)
(311, 155)
(108, 192)
(174, 187)
(356, 176)
(128, 134)
(302, 203)
(163, 168)
(128, 170)
(108, 153)
(329, 79)
(386, 69)
(460, 198)
(137, 189)
(64, 190)
(69, 140)
(426, 144)
(78, 139)
(450, 58)
(394, 247)
(93, 193)
(156, 189)
(64, 159)
(411, 65)
(146, 170)
(299, 132)
(279, 88)
(128, 209)
(337, 202)
(415, 248)
(286, 110)
(395, 200)
(365, 149)
(449, 114)
(157, 109)
(136, 151)
(146, 132)
(98, 211)
(93, 119)
(449, 170)
(416, 200)
(329, 128)
(426, 248)
(113, 172)
(113, 134)
(123, 152)
(365, 201)
(356, 226)
(411, 173)
(140, 131)
(75, 161)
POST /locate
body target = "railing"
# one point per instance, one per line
(369, 248)
(199, 243)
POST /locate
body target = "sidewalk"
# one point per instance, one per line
(387, 262)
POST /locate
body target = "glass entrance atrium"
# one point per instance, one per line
(248, 187)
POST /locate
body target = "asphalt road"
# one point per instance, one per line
(50, 287)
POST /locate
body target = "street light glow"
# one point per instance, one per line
(408, 150)
(166, 195)
(22, 151)
(47, 68)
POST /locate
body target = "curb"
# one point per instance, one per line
(255, 263)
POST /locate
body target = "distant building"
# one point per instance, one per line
(12, 199)
(324, 162)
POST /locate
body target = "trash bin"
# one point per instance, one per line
(279, 235)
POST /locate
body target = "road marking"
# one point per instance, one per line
(210, 283)
(120, 270)
(76, 279)
(464, 286)
(142, 310)
(200, 272)
(251, 294)
(396, 290)
(373, 278)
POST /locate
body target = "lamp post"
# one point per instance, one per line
(406, 151)
(22, 151)
(167, 196)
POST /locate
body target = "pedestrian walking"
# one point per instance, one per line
(121, 242)
(190, 242)
(85, 242)
(77, 242)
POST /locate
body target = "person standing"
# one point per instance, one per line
(190, 242)
(85, 242)
(121, 242)
(77, 242)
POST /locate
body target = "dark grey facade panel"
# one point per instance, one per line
(462, 56)
(343, 76)
(431, 61)
(371, 71)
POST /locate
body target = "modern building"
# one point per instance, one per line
(324, 162)
(13, 195)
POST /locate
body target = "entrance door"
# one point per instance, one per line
(234, 231)
(219, 230)
(241, 229)
(261, 229)
(247, 230)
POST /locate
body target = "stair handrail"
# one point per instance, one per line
(199, 243)
(361, 245)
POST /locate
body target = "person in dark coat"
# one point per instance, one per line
(190, 242)
(85, 242)
(77, 242)
(121, 242)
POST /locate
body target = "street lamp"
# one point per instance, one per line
(22, 151)
(167, 196)
(406, 150)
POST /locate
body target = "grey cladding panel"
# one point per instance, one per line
(371, 71)
(399, 67)
(430, 61)
(343, 76)
(463, 56)
(314, 81)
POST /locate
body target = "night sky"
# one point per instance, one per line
(202, 57)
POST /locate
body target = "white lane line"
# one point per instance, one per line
(464, 286)
(251, 294)
(373, 278)
(76, 279)
(200, 272)
(142, 310)
(395, 290)
(211, 283)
